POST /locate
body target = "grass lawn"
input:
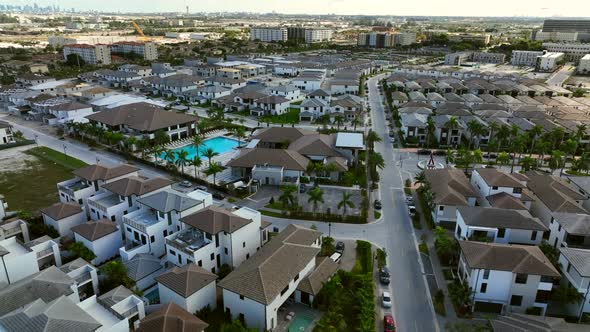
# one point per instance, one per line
(56, 157)
(34, 188)
(292, 116)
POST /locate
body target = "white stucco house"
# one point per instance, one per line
(498, 225)
(102, 237)
(575, 269)
(63, 216)
(255, 290)
(491, 182)
(451, 190)
(190, 287)
(20, 260)
(506, 278)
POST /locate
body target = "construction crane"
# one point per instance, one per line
(142, 36)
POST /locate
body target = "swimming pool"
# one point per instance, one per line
(153, 296)
(300, 323)
(218, 144)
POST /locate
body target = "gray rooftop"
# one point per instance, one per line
(166, 201)
(579, 258)
(142, 265)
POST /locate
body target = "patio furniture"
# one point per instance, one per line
(288, 317)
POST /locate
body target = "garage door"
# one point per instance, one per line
(495, 308)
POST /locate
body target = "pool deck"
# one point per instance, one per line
(298, 309)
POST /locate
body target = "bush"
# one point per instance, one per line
(439, 303)
(364, 256)
(408, 182)
(327, 246)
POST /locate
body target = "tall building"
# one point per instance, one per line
(149, 51)
(296, 33)
(584, 65)
(564, 30)
(385, 39)
(549, 61)
(91, 54)
(317, 35)
(573, 51)
(268, 34)
(525, 58)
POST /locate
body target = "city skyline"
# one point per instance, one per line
(502, 8)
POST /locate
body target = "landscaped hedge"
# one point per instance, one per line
(325, 217)
(19, 143)
(364, 257)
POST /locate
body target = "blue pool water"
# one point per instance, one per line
(153, 296)
(218, 144)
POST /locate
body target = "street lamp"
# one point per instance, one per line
(65, 148)
(36, 142)
(329, 229)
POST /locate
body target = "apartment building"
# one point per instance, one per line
(549, 61)
(268, 34)
(573, 51)
(215, 236)
(386, 39)
(91, 54)
(317, 35)
(484, 39)
(525, 58)
(149, 50)
(506, 278)
(459, 58)
(583, 67)
(6, 133)
(540, 35)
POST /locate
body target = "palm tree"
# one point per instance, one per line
(196, 162)
(210, 154)
(240, 133)
(142, 145)
(213, 170)
(372, 138)
(475, 129)
(583, 163)
(129, 142)
(534, 133)
(494, 126)
(452, 123)
(557, 134)
(503, 158)
(197, 142)
(569, 147)
(527, 163)
(345, 203)
(157, 151)
(316, 195)
(430, 129)
(181, 160)
(169, 156)
(502, 135)
(450, 156)
(160, 137)
(287, 198)
(518, 145)
(420, 178)
(543, 146)
(581, 132)
(339, 121)
(355, 122)
(556, 160)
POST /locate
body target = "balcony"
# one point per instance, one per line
(188, 241)
(133, 248)
(141, 219)
(83, 278)
(44, 253)
(70, 187)
(104, 201)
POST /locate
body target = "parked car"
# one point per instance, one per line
(218, 196)
(412, 210)
(409, 200)
(377, 204)
(386, 300)
(384, 275)
(302, 188)
(340, 246)
(336, 257)
(388, 323)
(202, 188)
(392, 139)
(186, 184)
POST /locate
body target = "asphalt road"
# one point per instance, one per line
(558, 78)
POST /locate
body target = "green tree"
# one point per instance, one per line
(196, 162)
(197, 142)
(345, 203)
(235, 326)
(556, 160)
(181, 160)
(160, 137)
(527, 163)
(169, 156)
(210, 154)
(287, 197)
(579, 92)
(371, 139)
(339, 121)
(142, 146)
(213, 169)
(450, 125)
(381, 257)
(78, 249)
(569, 147)
(461, 295)
(115, 274)
(446, 247)
(566, 295)
(316, 195)
(327, 246)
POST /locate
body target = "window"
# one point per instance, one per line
(486, 274)
(172, 252)
(243, 244)
(143, 239)
(441, 208)
(80, 201)
(559, 228)
(483, 288)
(200, 263)
(533, 236)
(501, 232)
(521, 278)
(516, 300)
(284, 290)
(165, 232)
(247, 256)
(552, 220)
(517, 190)
(569, 266)
(152, 239)
(113, 218)
(494, 187)
(128, 229)
(241, 297)
(213, 270)
(225, 250)
(212, 256)
(296, 277)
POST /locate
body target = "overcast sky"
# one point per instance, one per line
(363, 7)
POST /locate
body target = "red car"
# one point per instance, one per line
(388, 324)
